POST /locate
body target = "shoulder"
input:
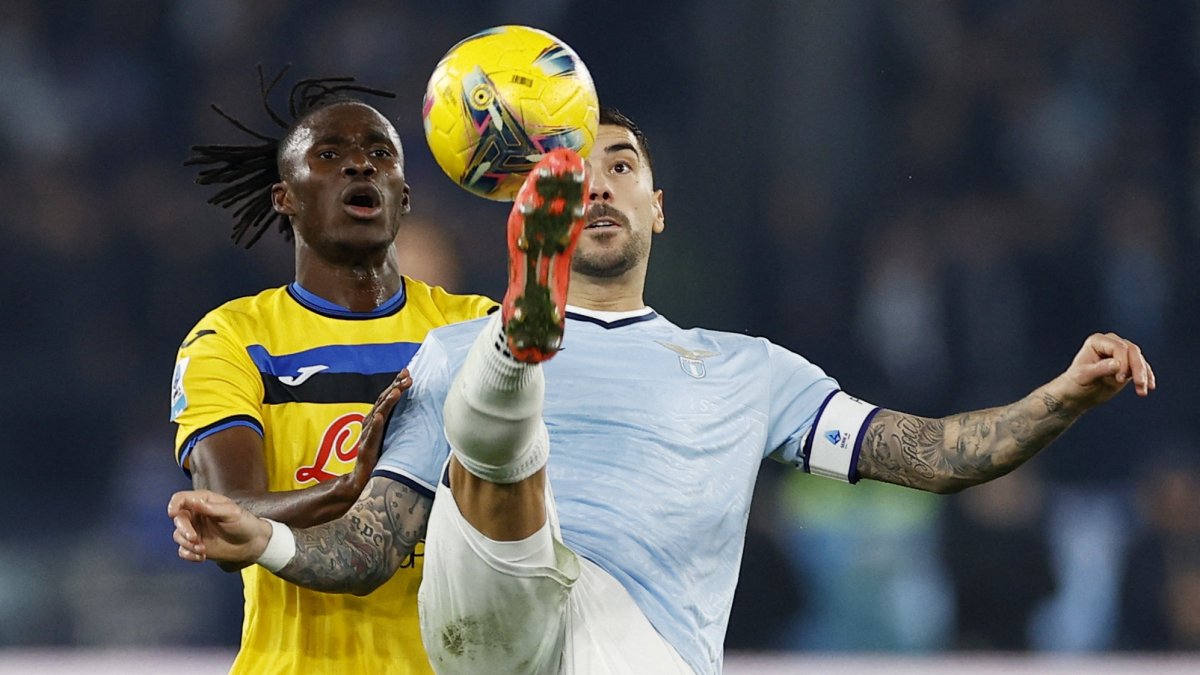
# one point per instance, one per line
(455, 337)
(252, 307)
(452, 307)
(242, 315)
(753, 353)
(724, 342)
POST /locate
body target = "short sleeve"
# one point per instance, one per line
(214, 386)
(797, 390)
(414, 442)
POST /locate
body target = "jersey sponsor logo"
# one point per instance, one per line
(305, 372)
(691, 361)
(179, 400)
(340, 440)
(199, 334)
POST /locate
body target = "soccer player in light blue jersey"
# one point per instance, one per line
(593, 463)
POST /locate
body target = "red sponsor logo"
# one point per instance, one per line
(341, 440)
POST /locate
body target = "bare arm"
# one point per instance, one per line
(359, 551)
(231, 463)
(352, 554)
(958, 451)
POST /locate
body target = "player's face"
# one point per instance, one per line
(343, 181)
(624, 209)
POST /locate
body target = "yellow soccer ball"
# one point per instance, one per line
(499, 100)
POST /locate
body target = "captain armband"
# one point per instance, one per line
(832, 445)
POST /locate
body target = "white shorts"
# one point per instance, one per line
(528, 607)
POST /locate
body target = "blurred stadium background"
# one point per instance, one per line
(935, 200)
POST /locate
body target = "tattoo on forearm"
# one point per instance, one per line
(361, 550)
(948, 454)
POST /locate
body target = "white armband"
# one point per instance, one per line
(280, 547)
(832, 446)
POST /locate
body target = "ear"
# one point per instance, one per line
(281, 199)
(660, 220)
(405, 200)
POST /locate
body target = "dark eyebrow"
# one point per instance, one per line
(332, 139)
(617, 147)
(379, 137)
(336, 139)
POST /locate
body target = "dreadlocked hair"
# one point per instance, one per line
(249, 171)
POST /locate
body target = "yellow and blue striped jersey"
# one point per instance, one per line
(304, 373)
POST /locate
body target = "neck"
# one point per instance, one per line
(620, 294)
(359, 285)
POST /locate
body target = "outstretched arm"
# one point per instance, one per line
(353, 554)
(958, 451)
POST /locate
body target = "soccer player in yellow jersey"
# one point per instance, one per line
(271, 392)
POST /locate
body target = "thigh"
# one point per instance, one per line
(493, 607)
(609, 634)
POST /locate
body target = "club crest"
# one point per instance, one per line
(690, 360)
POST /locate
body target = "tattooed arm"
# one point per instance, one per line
(353, 554)
(956, 452)
(364, 548)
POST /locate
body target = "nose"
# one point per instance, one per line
(358, 163)
(599, 191)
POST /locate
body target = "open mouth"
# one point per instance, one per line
(603, 216)
(363, 201)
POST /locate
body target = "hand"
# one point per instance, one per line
(1103, 366)
(370, 441)
(211, 526)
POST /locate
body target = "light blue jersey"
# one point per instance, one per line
(656, 437)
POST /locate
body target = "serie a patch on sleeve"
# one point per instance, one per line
(836, 437)
(179, 400)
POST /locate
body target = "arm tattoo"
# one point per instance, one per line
(362, 549)
(955, 452)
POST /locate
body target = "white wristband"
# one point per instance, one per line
(836, 437)
(280, 547)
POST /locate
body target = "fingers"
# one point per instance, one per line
(183, 500)
(387, 400)
(1118, 358)
(204, 503)
(403, 380)
(373, 430)
(400, 383)
(190, 548)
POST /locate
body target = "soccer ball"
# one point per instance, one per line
(499, 100)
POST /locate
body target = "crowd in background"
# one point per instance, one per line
(936, 201)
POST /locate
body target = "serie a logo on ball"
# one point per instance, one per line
(499, 100)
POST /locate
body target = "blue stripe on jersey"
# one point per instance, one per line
(411, 482)
(322, 306)
(363, 359)
(190, 444)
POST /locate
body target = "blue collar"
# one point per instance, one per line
(599, 318)
(326, 308)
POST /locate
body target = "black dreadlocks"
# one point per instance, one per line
(249, 171)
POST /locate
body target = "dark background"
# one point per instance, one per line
(936, 201)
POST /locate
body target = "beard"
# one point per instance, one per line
(610, 264)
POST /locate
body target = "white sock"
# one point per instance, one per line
(493, 411)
